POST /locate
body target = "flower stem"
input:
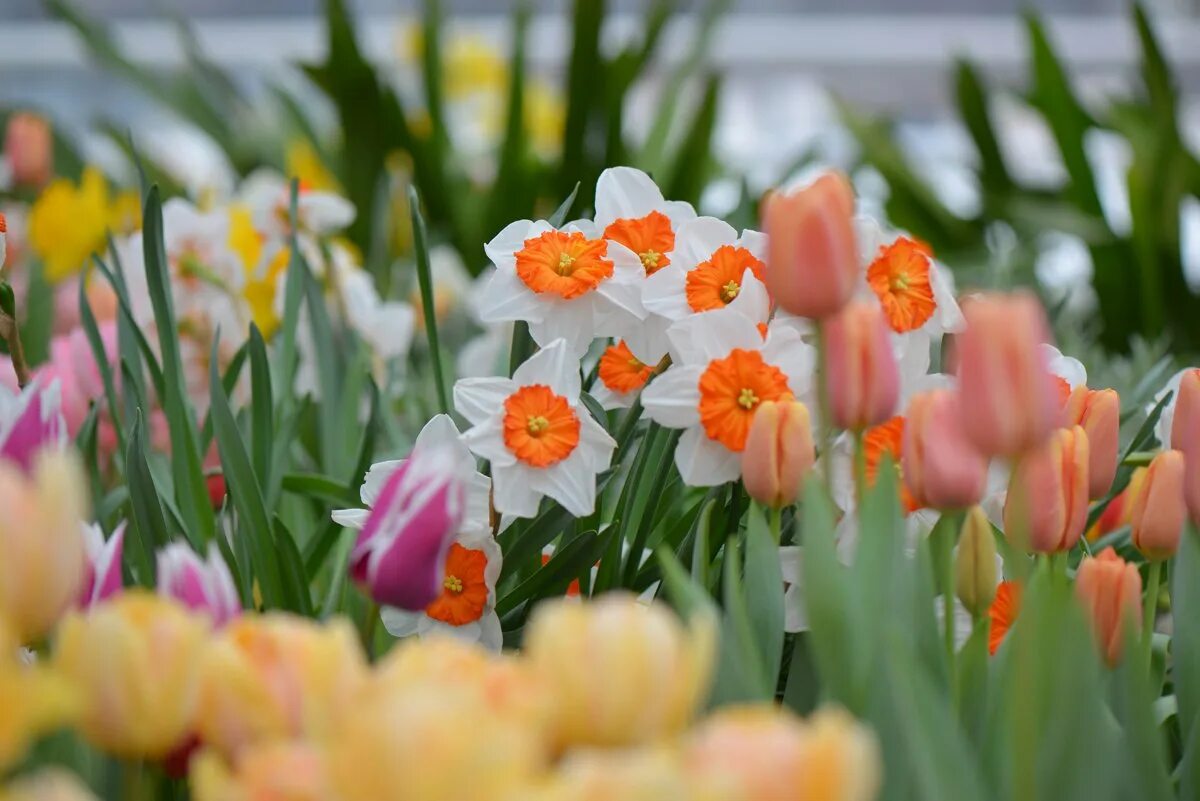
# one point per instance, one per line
(945, 545)
(136, 782)
(775, 518)
(370, 623)
(1154, 579)
(825, 438)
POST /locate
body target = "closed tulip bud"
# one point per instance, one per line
(1185, 437)
(202, 586)
(812, 251)
(842, 760)
(975, 576)
(136, 661)
(102, 571)
(42, 567)
(29, 146)
(1159, 511)
(1111, 591)
(778, 453)
(276, 677)
(29, 423)
(620, 672)
(285, 771)
(751, 751)
(942, 467)
(400, 555)
(861, 377)
(1046, 508)
(1009, 397)
(1098, 411)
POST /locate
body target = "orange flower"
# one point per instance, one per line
(464, 590)
(540, 427)
(716, 283)
(1003, 613)
(888, 437)
(567, 265)
(650, 237)
(731, 389)
(621, 371)
(899, 275)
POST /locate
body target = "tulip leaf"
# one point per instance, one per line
(1185, 650)
(1145, 771)
(764, 593)
(741, 674)
(560, 214)
(294, 581)
(568, 563)
(971, 685)
(700, 549)
(425, 282)
(262, 412)
(103, 362)
(148, 523)
(973, 108)
(803, 685)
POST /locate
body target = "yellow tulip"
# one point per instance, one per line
(269, 677)
(841, 760)
(651, 774)
(48, 784)
(136, 661)
(619, 672)
(36, 701)
(41, 539)
(283, 771)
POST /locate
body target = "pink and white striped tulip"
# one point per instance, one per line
(30, 422)
(202, 585)
(102, 570)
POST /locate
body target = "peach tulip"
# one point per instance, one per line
(942, 467)
(778, 453)
(29, 149)
(1099, 412)
(861, 377)
(1185, 437)
(1046, 508)
(1159, 511)
(1111, 590)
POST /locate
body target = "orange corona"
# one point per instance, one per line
(887, 438)
(464, 589)
(563, 264)
(731, 390)
(540, 427)
(899, 275)
(650, 237)
(1003, 613)
(621, 371)
(716, 283)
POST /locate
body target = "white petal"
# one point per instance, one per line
(665, 293)
(514, 493)
(795, 611)
(486, 441)
(1166, 421)
(504, 245)
(703, 337)
(572, 321)
(400, 622)
(648, 340)
(490, 635)
(508, 299)
(441, 432)
(790, 563)
(477, 399)
(703, 462)
(477, 516)
(752, 301)
(678, 211)
(697, 239)
(755, 242)
(1067, 368)
(673, 398)
(373, 481)
(949, 316)
(595, 443)
(608, 399)
(625, 295)
(570, 482)
(555, 366)
(626, 264)
(625, 193)
(350, 518)
(797, 360)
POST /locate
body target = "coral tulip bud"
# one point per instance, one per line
(29, 422)
(1009, 397)
(942, 467)
(1046, 508)
(842, 759)
(29, 147)
(202, 586)
(778, 453)
(861, 376)
(1185, 437)
(975, 563)
(400, 555)
(1099, 412)
(41, 547)
(1159, 511)
(136, 660)
(1111, 591)
(102, 571)
(619, 672)
(812, 252)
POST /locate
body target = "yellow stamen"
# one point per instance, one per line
(730, 291)
(900, 282)
(650, 259)
(747, 399)
(453, 584)
(566, 264)
(536, 425)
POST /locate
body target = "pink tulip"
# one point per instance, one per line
(942, 468)
(29, 149)
(400, 554)
(1099, 412)
(102, 572)
(205, 586)
(861, 376)
(30, 422)
(1185, 437)
(812, 252)
(1009, 399)
(73, 365)
(1047, 504)
(778, 453)
(1110, 589)
(1159, 511)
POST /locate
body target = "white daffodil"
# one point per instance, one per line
(1166, 420)
(1069, 371)
(620, 377)
(723, 368)
(567, 283)
(268, 195)
(630, 209)
(536, 434)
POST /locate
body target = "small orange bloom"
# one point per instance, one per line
(900, 277)
(715, 283)
(887, 437)
(650, 237)
(540, 427)
(567, 265)
(730, 391)
(464, 590)
(1003, 613)
(621, 371)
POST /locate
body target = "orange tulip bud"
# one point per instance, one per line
(1159, 511)
(812, 252)
(1185, 437)
(1099, 412)
(778, 454)
(29, 147)
(1009, 398)
(942, 467)
(1111, 590)
(861, 376)
(1046, 508)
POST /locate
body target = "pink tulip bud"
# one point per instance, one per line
(861, 376)
(942, 467)
(102, 571)
(778, 453)
(400, 554)
(812, 252)
(204, 586)
(29, 148)
(1009, 398)
(1110, 589)
(1159, 511)
(1185, 437)
(30, 422)
(1098, 411)
(1047, 504)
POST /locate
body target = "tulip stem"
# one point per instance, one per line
(136, 781)
(860, 466)
(945, 546)
(1153, 579)
(824, 424)
(776, 520)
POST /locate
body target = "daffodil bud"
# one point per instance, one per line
(975, 564)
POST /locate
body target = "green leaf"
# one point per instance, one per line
(690, 169)
(585, 80)
(262, 410)
(741, 674)
(971, 688)
(648, 498)
(294, 580)
(1185, 650)
(103, 361)
(568, 563)
(700, 549)
(803, 687)
(764, 593)
(425, 281)
(560, 214)
(147, 523)
(973, 108)
(1145, 771)
(688, 597)
(321, 488)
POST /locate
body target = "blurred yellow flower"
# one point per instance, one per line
(302, 161)
(841, 759)
(244, 239)
(36, 700)
(279, 771)
(260, 292)
(136, 661)
(41, 542)
(754, 751)
(68, 223)
(633, 775)
(48, 784)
